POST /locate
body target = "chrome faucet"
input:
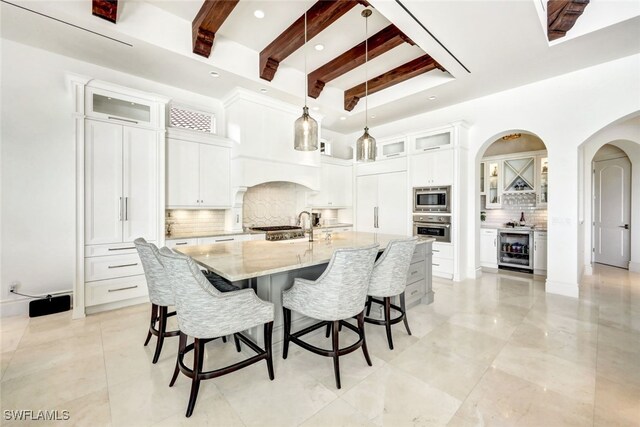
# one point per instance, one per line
(310, 231)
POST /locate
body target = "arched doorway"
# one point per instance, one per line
(513, 188)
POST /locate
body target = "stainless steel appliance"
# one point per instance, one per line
(515, 249)
(436, 226)
(432, 199)
(281, 232)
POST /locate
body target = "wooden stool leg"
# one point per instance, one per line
(237, 341)
(327, 334)
(268, 329)
(162, 328)
(287, 331)
(336, 348)
(387, 320)
(404, 313)
(152, 322)
(198, 359)
(224, 339)
(360, 318)
(181, 346)
(368, 304)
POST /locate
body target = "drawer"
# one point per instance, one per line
(110, 267)
(419, 253)
(257, 236)
(416, 272)
(414, 291)
(173, 243)
(442, 266)
(218, 239)
(489, 232)
(110, 249)
(112, 290)
(441, 250)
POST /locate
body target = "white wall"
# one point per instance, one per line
(626, 136)
(38, 166)
(563, 111)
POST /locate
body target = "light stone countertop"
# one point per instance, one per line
(502, 227)
(245, 260)
(215, 234)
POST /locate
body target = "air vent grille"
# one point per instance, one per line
(187, 118)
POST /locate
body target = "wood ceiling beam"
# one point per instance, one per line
(322, 14)
(207, 22)
(105, 9)
(399, 74)
(562, 16)
(379, 43)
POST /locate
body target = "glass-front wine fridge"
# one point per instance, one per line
(515, 249)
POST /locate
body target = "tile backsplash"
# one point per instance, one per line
(512, 207)
(273, 203)
(195, 222)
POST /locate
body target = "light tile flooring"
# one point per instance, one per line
(494, 351)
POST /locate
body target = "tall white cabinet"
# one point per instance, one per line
(120, 191)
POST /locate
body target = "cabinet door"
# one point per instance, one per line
(393, 217)
(489, 248)
(183, 180)
(432, 168)
(140, 186)
(539, 251)
(493, 185)
(103, 183)
(421, 170)
(366, 200)
(215, 170)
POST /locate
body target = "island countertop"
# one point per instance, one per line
(249, 259)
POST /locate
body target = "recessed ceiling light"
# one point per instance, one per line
(431, 98)
(214, 74)
(263, 90)
(319, 47)
(343, 118)
(258, 14)
(315, 108)
(373, 116)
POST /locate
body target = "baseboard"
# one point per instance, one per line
(115, 305)
(474, 273)
(17, 307)
(587, 270)
(634, 266)
(560, 288)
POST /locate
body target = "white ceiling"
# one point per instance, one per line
(501, 42)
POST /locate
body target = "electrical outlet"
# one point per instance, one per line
(14, 287)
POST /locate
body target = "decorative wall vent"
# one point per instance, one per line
(188, 118)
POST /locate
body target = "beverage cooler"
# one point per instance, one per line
(515, 249)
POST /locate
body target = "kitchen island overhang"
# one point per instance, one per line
(271, 267)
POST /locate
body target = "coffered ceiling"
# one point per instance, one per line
(484, 46)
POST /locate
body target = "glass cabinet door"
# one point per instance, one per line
(493, 189)
(482, 181)
(543, 195)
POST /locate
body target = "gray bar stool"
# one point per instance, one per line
(389, 279)
(340, 293)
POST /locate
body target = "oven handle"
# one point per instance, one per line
(431, 224)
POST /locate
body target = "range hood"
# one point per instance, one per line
(263, 131)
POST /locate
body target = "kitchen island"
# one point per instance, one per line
(270, 267)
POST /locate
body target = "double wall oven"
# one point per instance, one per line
(432, 213)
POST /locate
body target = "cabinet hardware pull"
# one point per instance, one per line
(122, 265)
(414, 292)
(237, 218)
(391, 155)
(225, 240)
(494, 241)
(431, 148)
(120, 209)
(122, 289)
(414, 272)
(124, 120)
(436, 265)
(181, 243)
(126, 209)
(435, 250)
(121, 249)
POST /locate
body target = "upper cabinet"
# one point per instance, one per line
(543, 181)
(518, 175)
(432, 168)
(392, 147)
(493, 184)
(336, 185)
(198, 175)
(120, 108)
(435, 140)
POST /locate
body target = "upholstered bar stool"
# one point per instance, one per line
(160, 294)
(205, 314)
(339, 293)
(389, 279)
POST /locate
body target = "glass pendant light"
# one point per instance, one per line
(305, 128)
(366, 144)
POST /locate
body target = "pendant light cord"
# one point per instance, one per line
(306, 78)
(366, 72)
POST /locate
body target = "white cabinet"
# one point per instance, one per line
(336, 186)
(119, 108)
(493, 189)
(432, 168)
(121, 176)
(540, 252)
(198, 175)
(192, 241)
(432, 140)
(442, 261)
(542, 181)
(382, 203)
(489, 248)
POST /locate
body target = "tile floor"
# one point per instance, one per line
(494, 351)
